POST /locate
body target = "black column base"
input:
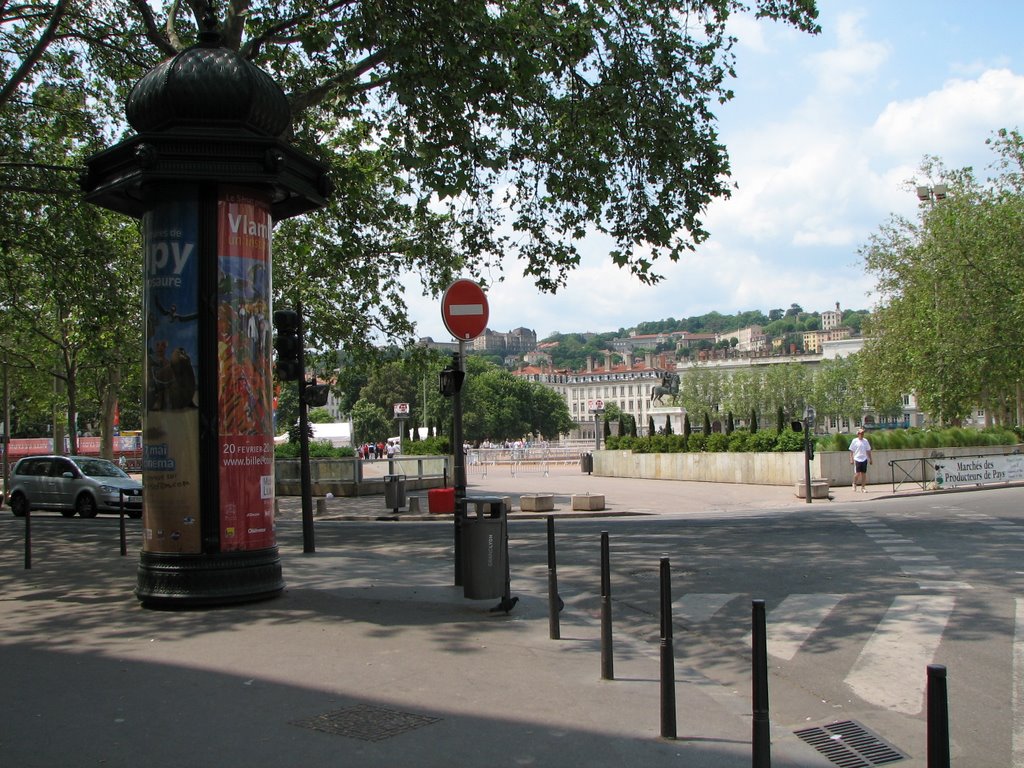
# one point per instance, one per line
(187, 581)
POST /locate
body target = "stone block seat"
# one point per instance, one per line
(588, 502)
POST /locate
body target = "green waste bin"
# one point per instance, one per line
(484, 532)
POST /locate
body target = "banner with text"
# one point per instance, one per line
(978, 470)
(243, 350)
(170, 426)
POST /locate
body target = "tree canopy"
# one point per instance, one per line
(460, 135)
(937, 276)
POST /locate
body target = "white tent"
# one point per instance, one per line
(338, 432)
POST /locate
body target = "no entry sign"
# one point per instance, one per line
(464, 309)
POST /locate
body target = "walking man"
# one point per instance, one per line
(860, 457)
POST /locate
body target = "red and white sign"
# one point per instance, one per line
(401, 410)
(464, 309)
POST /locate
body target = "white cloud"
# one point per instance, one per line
(958, 117)
(853, 63)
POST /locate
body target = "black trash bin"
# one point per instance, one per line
(587, 462)
(484, 532)
(394, 491)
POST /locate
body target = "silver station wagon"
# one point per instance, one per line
(71, 484)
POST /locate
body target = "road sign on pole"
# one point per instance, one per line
(464, 309)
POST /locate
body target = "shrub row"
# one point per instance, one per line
(767, 441)
(736, 442)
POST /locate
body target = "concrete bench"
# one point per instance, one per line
(588, 502)
(819, 489)
(537, 502)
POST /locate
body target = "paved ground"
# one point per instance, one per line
(370, 658)
(622, 495)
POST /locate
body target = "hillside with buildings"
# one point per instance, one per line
(624, 368)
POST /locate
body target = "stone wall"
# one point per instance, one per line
(774, 468)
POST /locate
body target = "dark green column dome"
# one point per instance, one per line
(208, 87)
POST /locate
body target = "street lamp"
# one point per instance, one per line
(932, 194)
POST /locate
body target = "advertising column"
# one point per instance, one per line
(244, 336)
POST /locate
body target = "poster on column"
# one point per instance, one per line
(244, 339)
(170, 430)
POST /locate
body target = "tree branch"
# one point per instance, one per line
(314, 96)
(36, 53)
(252, 47)
(153, 33)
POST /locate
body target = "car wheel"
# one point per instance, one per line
(19, 505)
(85, 506)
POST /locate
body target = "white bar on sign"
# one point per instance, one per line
(466, 309)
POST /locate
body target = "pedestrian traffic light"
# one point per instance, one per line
(810, 450)
(288, 344)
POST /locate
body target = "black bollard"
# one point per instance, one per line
(938, 717)
(28, 539)
(554, 601)
(124, 538)
(668, 662)
(607, 661)
(761, 741)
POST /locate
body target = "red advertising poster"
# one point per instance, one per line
(244, 334)
(170, 425)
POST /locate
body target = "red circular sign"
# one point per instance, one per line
(464, 309)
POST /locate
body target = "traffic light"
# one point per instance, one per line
(450, 380)
(288, 344)
(315, 395)
(810, 450)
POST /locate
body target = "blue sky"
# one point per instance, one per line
(823, 135)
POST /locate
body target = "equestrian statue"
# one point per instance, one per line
(669, 386)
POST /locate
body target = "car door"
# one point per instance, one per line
(61, 490)
(32, 479)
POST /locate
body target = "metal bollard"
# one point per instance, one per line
(554, 601)
(121, 531)
(761, 741)
(668, 663)
(607, 660)
(28, 539)
(938, 717)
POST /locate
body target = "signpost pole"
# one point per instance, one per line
(464, 311)
(459, 470)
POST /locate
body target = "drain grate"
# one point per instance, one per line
(849, 744)
(366, 722)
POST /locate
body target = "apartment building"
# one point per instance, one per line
(627, 385)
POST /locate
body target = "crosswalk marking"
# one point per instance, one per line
(793, 621)
(1017, 694)
(701, 606)
(905, 639)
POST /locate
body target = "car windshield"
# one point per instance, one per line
(100, 468)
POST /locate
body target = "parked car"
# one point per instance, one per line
(70, 484)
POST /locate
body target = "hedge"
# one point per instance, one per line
(765, 441)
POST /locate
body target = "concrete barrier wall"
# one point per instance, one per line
(771, 468)
(357, 477)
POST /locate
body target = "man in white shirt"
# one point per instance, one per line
(860, 457)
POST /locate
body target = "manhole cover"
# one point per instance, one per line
(849, 744)
(366, 722)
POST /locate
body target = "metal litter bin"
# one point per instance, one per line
(484, 534)
(587, 462)
(394, 491)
